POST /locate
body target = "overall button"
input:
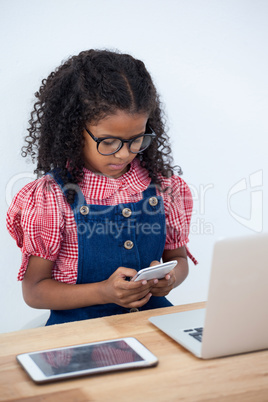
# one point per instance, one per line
(126, 212)
(84, 210)
(153, 201)
(128, 244)
(133, 310)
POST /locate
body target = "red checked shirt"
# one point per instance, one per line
(42, 222)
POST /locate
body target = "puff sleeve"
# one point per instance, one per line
(35, 221)
(178, 205)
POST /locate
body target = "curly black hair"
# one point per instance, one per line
(85, 89)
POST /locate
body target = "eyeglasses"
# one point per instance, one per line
(110, 145)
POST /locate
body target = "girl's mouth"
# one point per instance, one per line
(117, 166)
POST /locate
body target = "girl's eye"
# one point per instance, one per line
(109, 142)
(138, 140)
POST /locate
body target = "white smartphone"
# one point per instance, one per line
(155, 272)
(86, 359)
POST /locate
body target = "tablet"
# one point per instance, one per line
(156, 272)
(86, 359)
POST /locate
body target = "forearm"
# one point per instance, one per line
(181, 270)
(41, 291)
(54, 295)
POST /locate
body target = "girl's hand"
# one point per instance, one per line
(116, 289)
(162, 287)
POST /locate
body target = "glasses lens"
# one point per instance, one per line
(109, 146)
(140, 143)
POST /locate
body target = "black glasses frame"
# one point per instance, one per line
(129, 142)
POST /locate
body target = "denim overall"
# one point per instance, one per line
(131, 235)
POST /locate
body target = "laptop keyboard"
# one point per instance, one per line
(196, 333)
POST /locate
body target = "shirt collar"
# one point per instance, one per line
(99, 187)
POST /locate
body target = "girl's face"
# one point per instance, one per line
(121, 125)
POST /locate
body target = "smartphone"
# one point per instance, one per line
(155, 272)
(86, 359)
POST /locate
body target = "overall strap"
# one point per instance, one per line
(150, 191)
(79, 198)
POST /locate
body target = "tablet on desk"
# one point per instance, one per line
(86, 359)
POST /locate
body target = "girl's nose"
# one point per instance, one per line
(123, 152)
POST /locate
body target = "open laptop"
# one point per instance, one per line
(236, 316)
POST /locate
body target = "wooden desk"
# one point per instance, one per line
(178, 377)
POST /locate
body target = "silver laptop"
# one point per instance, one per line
(236, 316)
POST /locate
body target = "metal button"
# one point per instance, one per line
(126, 212)
(133, 310)
(153, 201)
(128, 244)
(84, 210)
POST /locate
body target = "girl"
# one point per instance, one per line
(108, 203)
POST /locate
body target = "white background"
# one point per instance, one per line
(209, 61)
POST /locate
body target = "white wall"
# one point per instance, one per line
(209, 61)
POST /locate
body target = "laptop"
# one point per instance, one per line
(235, 319)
